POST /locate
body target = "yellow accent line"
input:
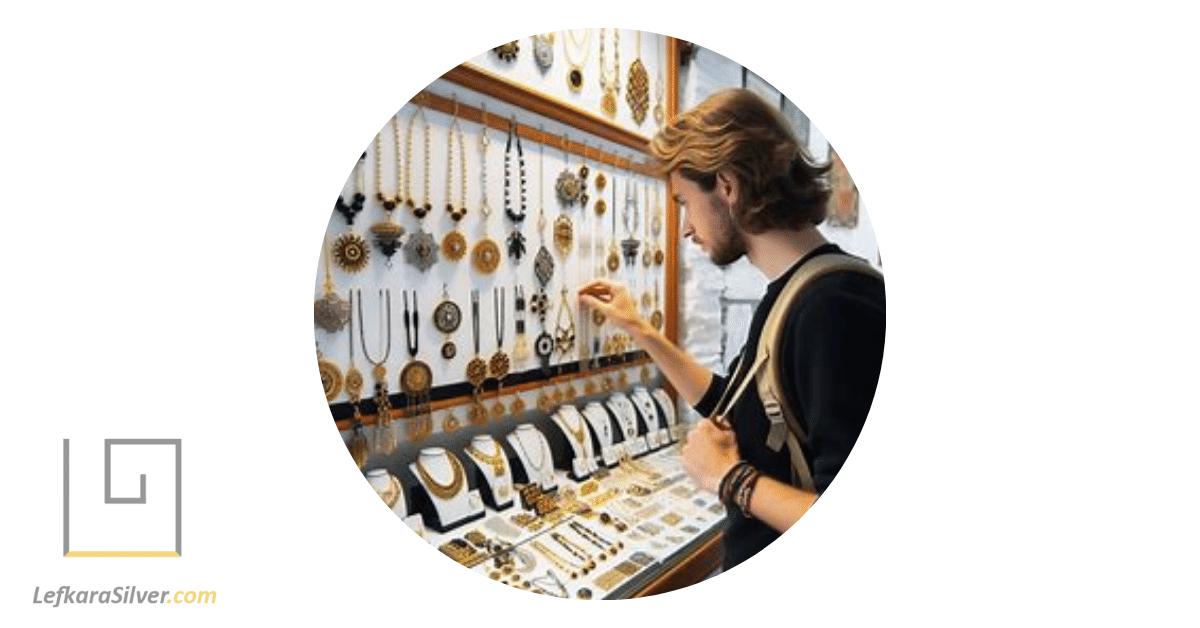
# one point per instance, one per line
(122, 555)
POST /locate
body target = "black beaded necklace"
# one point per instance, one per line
(516, 239)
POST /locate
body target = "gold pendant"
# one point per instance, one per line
(331, 378)
(350, 252)
(486, 256)
(454, 246)
(608, 103)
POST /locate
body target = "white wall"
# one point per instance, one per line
(739, 286)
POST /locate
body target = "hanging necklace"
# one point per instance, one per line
(543, 263)
(476, 369)
(421, 250)
(454, 245)
(350, 249)
(446, 318)
(570, 186)
(417, 378)
(358, 446)
(499, 363)
(613, 262)
(564, 335)
(543, 51)
(637, 96)
(330, 312)
(520, 345)
(572, 43)
(439, 490)
(387, 234)
(348, 211)
(656, 318)
(384, 439)
(629, 246)
(610, 80)
(647, 253)
(495, 459)
(656, 223)
(516, 239)
(331, 375)
(486, 254)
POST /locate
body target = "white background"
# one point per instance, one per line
(168, 174)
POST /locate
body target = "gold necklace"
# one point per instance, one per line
(496, 459)
(454, 245)
(575, 73)
(638, 94)
(387, 234)
(331, 312)
(541, 451)
(579, 433)
(421, 250)
(443, 491)
(610, 82)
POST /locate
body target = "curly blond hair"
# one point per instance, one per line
(736, 130)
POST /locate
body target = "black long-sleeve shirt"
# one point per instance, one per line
(832, 353)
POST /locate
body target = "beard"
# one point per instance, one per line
(728, 245)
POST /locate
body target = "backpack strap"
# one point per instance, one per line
(785, 426)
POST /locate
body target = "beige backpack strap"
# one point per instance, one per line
(785, 428)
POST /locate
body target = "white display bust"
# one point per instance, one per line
(575, 430)
(668, 408)
(445, 481)
(601, 423)
(535, 455)
(622, 408)
(656, 433)
(489, 457)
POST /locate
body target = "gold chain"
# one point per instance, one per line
(496, 459)
(444, 491)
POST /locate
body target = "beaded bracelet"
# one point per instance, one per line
(732, 479)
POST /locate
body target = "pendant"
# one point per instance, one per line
(350, 252)
(350, 211)
(614, 259)
(656, 319)
(660, 256)
(499, 410)
(601, 207)
(499, 364)
(449, 350)
(477, 415)
(543, 266)
(477, 371)
(416, 379)
(486, 256)
(629, 247)
(450, 425)
(331, 378)
(568, 187)
(386, 236)
(518, 406)
(331, 312)
(354, 384)
(454, 246)
(598, 317)
(647, 256)
(447, 317)
(659, 114)
(507, 52)
(543, 51)
(539, 305)
(544, 403)
(564, 234)
(575, 78)
(421, 250)
(516, 245)
(638, 94)
(608, 103)
(544, 346)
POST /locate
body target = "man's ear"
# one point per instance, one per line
(727, 185)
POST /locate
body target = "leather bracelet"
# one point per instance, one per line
(724, 486)
(746, 492)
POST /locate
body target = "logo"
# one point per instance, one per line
(124, 526)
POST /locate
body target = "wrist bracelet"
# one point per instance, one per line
(723, 489)
(746, 492)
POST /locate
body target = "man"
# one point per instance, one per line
(745, 186)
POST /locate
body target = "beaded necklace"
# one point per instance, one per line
(387, 234)
(350, 250)
(421, 250)
(516, 239)
(454, 245)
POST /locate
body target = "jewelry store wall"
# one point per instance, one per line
(514, 431)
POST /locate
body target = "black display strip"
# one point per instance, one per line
(343, 410)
